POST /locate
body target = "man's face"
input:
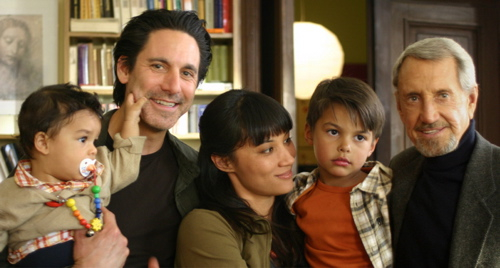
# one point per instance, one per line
(434, 108)
(166, 73)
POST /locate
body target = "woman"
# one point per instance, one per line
(245, 160)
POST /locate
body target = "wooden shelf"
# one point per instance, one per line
(93, 35)
(189, 136)
(203, 96)
(8, 136)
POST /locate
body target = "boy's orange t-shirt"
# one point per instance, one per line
(332, 240)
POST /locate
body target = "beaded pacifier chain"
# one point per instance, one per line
(86, 167)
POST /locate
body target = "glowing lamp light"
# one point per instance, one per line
(318, 55)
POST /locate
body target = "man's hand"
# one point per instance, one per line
(107, 248)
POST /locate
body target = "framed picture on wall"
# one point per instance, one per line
(28, 53)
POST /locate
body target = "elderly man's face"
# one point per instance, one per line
(434, 108)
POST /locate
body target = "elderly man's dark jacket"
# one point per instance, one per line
(476, 232)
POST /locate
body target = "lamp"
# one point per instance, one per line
(318, 55)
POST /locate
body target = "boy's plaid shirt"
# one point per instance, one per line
(368, 207)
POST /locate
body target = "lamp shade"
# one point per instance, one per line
(318, 55)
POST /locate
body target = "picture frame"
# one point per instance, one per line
(28, 54)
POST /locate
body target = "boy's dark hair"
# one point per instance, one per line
(137, 31)
(355, 95)
(49, 108)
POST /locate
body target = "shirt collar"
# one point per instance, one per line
(23, 178)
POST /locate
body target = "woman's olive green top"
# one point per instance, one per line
(207, 240)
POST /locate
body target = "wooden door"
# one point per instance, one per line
(397, 24)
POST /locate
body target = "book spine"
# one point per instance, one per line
(187, 4)
(150, 4)
(201, 9)
(137, 7)
(107, 9)
(201, 109)
(227, 16)
(83, 71)
(182, 125)
(95, 9)
(10, 154)
(224, 63)
(98, 65)
(75, 9)
(217, 13)
(209, 14)
(103, 67)
(194, 4)
(178, 5)
(192, 114)
(84, 9)
(216, 50)
(117, 10)
(3, 168)
(73, 64)
(125, 11)
(92, 65)
(110, 65)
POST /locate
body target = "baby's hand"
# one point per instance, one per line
(133, 108)
(132, 111)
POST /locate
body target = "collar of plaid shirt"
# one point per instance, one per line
(23, 178)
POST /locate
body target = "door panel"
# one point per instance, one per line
(474, 25)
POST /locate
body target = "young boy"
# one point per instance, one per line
(341, 206)
(60, 186)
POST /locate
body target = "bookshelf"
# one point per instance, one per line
(229, 41)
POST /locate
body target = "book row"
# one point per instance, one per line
(9, 156)
(188, 122)
(220, 68)
(112, 15)
(91, 64)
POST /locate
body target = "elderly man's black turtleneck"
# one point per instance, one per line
(426, 232)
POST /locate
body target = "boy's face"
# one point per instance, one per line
(341, 147)
(73, 143)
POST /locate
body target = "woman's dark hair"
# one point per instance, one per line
(137, 31)
(49, 108)
(230, 121)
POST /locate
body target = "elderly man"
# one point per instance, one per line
(445, 200)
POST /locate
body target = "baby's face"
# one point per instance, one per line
(73, 144)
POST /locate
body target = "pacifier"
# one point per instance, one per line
(86, 166)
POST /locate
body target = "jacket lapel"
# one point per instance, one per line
(403, 183)
(474, 217)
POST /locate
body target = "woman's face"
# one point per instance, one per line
(264, 170)
(13, 42)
